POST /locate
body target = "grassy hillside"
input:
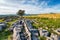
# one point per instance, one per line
(56, 15)
(49, 15)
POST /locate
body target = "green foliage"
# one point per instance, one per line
(20, 12)
(35, 25)
(4, 34)
(48, 23)
(42, 38)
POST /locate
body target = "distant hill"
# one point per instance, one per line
(56, 15)
(6, 15)
(45, 15)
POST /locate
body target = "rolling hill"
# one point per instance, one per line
(57, 15)
(45, 15)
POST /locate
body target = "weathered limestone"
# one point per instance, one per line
(16, 35)
(27, 31)
(17, 30)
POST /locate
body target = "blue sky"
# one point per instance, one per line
(30, 6)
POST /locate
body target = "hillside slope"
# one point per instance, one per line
(49, 15)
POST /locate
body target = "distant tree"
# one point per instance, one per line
(21, 13)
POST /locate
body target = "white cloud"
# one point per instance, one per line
(9, 7)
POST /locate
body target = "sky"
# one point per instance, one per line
(30, 6)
